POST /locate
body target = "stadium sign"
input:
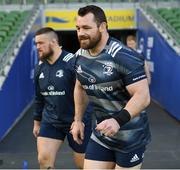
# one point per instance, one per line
(65, 20)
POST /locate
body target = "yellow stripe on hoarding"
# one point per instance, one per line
(65, 20)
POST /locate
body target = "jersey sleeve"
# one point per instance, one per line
(38, 99)
(131, 66)
(71, 63)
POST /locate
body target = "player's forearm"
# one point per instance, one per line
(38, 109)
(132, 108)
(81, 102)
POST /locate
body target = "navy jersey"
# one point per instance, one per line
(54, 87)
(104, 78)
(141, 55)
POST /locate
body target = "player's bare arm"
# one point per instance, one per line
(81, 102)
(139, 101)
(140, 97)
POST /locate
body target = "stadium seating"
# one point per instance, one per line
(10, 22)
(171, 16)
(15, 2)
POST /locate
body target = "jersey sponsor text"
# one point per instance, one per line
(96, 87)
(53, 93)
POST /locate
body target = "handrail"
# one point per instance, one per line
(13, 44)
(172, 33)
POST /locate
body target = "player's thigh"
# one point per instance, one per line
(98, 157)
(137, 167)
(49, 140)
(92, 164)
(48, 145)
(79, 156)
(79, 159)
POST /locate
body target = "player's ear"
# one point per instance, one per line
(53, 41)
(103, 26)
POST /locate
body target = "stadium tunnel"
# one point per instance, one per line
(65, 36)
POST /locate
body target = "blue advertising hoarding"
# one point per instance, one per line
(164, 64)
(18, 89)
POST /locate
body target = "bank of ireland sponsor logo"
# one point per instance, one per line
(50, 88)
(92, 79)
(51, 92)
(97, 87)
(86, 75)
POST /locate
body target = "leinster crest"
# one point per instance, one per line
(108, 68)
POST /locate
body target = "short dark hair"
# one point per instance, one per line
(98, 13)
(47, 30)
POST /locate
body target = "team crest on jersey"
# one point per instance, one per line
(108, 69)
(59, 73)
(41, 76)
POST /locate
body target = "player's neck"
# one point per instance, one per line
(100, 46)
(55, 56)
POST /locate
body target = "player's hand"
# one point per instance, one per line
(77, 131)
(108, 127)
(36, 128)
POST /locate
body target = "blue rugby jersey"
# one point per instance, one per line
(54, 88)
(104, 78)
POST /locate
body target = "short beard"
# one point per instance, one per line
(47, 56)
(93, 42)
